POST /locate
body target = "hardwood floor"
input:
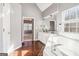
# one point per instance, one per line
(35, 50)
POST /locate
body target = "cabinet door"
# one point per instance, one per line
(6, 27)
(15, 25)
(1, 46)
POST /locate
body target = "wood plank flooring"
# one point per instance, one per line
(34, 50)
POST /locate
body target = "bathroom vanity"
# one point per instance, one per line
(43, 36)
(58, 45)
(52, 45)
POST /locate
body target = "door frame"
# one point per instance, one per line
(33, 34)
(55, 24)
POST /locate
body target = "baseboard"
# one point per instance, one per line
(10, 51)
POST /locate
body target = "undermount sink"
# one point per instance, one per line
(67, 51)
(56, 51)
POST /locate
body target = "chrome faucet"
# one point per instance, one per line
(56, 45)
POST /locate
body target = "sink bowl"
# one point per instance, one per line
(57, 52)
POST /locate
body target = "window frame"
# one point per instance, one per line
(65, 20)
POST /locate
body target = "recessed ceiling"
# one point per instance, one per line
(43, 6)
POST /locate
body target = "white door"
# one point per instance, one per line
(1, 42)
(6, 27)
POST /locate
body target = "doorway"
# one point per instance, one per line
(52, 26)
(28, 32)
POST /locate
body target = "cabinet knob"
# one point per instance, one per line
(3, 29)
(8, 32)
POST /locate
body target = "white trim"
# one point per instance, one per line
(76, 20)
(13, 49)
(22, 26)
(27, 17)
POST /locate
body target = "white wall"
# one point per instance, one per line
(11, 22)
(1, 44)
(31, 10)
(51, 9)
(15, 23)
(6, 27)
(46, 22)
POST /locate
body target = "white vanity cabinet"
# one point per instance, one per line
(68, 46)
(1, 42)
(49, 48)
(6, 27)
(43, 36)
(47, 52)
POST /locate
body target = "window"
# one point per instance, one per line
(66, 27)
(71, 19)
(72, 27)
(78, 27)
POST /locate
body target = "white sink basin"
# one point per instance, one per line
(67, 51)
(57, 52)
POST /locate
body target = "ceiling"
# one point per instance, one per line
(43, 6)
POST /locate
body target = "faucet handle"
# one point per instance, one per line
(57, 45)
